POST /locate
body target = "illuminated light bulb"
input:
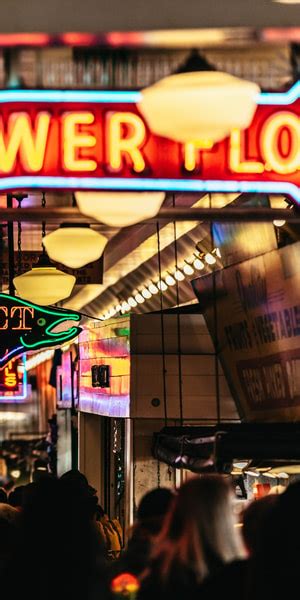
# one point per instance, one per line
(44, 284)
(112, 311)
(153, 289)
(118, 307)
(198, 264)
(16, 473)
(188, 269)
(119, 209)
(147, 294)
(210, 259)
(179, 275)
(279, 223)
(139, 298)
(218, 252)
(162, 286)
(74, 245)
(125, 306)
(170, 279)
(132, 302)
(187, 107)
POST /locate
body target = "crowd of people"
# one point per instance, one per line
(57, 542)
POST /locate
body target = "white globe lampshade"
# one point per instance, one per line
(119, 209)
(44, 284)
(202, 105)
(74, 246)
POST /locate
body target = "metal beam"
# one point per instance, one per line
(60, 214)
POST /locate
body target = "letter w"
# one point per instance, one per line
(22, 138)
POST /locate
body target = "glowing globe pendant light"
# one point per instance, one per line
(119, 209)
(198, 104)
(44, 284)
(74, 245)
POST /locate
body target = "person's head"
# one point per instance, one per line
(83, 496)
(198, 532)
(254, 517)
(152, 509)
(3, 496)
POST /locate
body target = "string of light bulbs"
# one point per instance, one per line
(196, 262)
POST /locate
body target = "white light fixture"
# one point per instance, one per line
(139, 298)
(199, 106)
(74, 245)
(125, 306)
(210, 259)
(170, 279)
(132, 302)
(162, 286)
(153, 289)
(119, 209)
(198, 264)
(218, 252)
(44, 284)
(147, 294)
(188, 269)
(16, 473)
(279, 223)
(179, 275)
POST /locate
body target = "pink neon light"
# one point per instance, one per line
(24, 39)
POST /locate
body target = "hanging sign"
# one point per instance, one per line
(13, 381)
(98, 140)
(26, 327)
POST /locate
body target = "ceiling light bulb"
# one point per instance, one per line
(146, 293)
(139, 298)
(74, 246)
(119, 209)
(125, 306)
(179, 275)
(44, 284)
(218, 252)
(162, 286)
(279, 223)
(210, 259)
(118, 307)
(132, 302)
(186, 107)
(198, 264)
(170, 280)
(153, 288)
(188, 269)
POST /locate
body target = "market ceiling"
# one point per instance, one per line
(115, 16)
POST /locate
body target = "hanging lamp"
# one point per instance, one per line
(119, 209)
(43, 284)
(74, 245)
(198, 103)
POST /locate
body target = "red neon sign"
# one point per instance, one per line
(9, 378)
(99, 140)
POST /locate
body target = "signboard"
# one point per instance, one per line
(98, 140)
(258, 329)
(26, 327)
(88, 274)
(13, 381)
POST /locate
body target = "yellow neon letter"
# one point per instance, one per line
(74, 139)
(131, 144)
(235, 163)
(270, 143)
(22, 137)
(190, 152)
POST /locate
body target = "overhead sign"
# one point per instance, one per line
(98, 140)
(258, 330)
(26, 327)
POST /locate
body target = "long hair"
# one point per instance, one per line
(198, 533)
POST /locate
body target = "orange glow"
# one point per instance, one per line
(74, 140)
(21, 137)
(24, 39)
(4, 325)
(236, 164)
(191, 153)
(10, 377)
(129, 145)
(78, 39)
(272, 144)
(125, 583)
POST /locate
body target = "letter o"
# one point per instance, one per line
(270, 136)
